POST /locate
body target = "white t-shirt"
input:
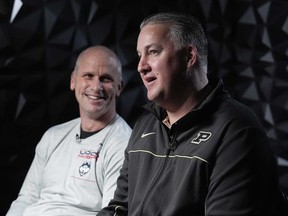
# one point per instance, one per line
(69, 176)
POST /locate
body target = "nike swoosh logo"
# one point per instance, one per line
(147, 134)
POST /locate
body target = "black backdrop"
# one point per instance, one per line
(40, 41)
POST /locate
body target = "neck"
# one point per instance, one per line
(96, 124)
(178, 111)
(175, 114)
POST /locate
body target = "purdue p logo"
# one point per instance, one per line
(201, 136)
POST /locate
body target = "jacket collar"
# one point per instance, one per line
(216, 91)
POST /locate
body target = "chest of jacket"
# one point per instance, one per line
(174, 166)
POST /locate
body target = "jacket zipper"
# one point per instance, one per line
(170, 146)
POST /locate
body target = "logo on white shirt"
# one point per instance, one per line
(84, 168)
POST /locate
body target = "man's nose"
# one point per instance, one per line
(143, 66)
(97, 85)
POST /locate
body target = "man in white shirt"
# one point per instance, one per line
(77, 163)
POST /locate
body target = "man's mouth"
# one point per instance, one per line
(95, 97)
(150, 79)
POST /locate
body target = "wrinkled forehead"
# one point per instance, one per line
(153, 34)
(98, 61)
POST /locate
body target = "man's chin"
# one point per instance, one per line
(151, 96)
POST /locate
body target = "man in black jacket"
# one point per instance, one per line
(198, 151)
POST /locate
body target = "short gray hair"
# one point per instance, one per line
(184, 30)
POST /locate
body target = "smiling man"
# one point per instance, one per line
(76, 163)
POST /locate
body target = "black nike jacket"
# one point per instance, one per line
(216, 160)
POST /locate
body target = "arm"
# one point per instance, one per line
(119, 204)
(113, 161)
(31, 186)
(243, 177)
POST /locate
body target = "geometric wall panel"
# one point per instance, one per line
(40, 40)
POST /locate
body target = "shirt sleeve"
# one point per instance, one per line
(113, 161)
(119, 204)
(30, 190)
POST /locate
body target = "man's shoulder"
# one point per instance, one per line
(121, 125)
(146, 119)
(64, 126)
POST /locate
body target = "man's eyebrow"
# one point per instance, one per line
(148, 47)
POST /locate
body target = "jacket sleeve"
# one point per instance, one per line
(239, 184)
(118, 206)
(30, 190)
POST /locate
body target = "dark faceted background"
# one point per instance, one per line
(40, 41)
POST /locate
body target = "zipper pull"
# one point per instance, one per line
(172, 144)
(172, 138)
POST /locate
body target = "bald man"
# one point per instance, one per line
(77, 163)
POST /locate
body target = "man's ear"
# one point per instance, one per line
(72, 81)
(191, 55)
(120, 88)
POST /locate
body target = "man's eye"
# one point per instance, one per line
(153, 52)
(88, 75)
(105, 79)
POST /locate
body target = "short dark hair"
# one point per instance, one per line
(185, 30)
